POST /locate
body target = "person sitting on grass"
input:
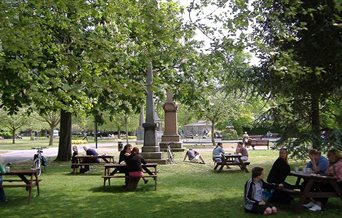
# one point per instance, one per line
(253, 194)
(217, 153)
(193, 156)
(241, 150)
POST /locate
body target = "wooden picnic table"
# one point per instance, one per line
(87, 160)
(232, 160)
(113, 169)
(311, 180)
(27, 179)
(90, 158)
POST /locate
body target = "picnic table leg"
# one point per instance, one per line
(221, 167)
(306, 191)
(336, 188)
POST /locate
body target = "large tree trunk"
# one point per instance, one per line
(64, 150)
(13, 136)
(315, 121)
(51, 136)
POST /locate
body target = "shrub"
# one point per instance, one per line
(229, 134)
(77, 142)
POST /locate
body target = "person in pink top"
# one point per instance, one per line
(334, 169)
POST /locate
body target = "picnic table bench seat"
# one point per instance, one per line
(132, 180)
(108, 177)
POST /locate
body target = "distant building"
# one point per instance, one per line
(196, 129)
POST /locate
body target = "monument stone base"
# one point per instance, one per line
(175, 146)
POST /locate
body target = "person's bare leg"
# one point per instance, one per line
(268, 211)
(201, 159)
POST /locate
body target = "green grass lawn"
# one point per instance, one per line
(184, 190)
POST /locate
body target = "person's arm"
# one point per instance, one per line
(314, 167)
(323, 166)
(249, 193)
(269, 185)
(142, 160)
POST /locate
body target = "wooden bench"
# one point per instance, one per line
(132, 181)
(108, 177)
(258, 142)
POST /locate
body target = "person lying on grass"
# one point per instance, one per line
(194, 156)
(253, 194)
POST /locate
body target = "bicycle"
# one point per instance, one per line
(39, 160)
(170, 156)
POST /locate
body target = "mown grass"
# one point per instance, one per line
(184, 190)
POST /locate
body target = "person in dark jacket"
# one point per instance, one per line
(135, 165)
(74, 159)
(123, 157)
(253, 194)
(277, 175)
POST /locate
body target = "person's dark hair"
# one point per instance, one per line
(257, 171)
(240, 143)
(219, 144)
(314, 152)
(127, 146)
(135, 150)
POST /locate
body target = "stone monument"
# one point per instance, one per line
(170, 136)
(140, 130)
(150, 150)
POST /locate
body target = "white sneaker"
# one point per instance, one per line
(309, 205)
(315, 208)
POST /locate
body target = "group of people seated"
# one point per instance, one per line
(218, 152)
(135, 164)
(259, 195)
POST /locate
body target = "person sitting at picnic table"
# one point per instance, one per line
(124, 155)
(253, 194)
(334, 169)
(193, 156)
(241, 150)
(89, 152)
(217, 153)
(135, 164)
(318, 164)
(74, 159)
(277, 175)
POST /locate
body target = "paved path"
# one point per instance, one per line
(25, 155)
(103, 147)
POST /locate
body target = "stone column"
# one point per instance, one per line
(170, 136)
(140, 130)
(150, 149)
